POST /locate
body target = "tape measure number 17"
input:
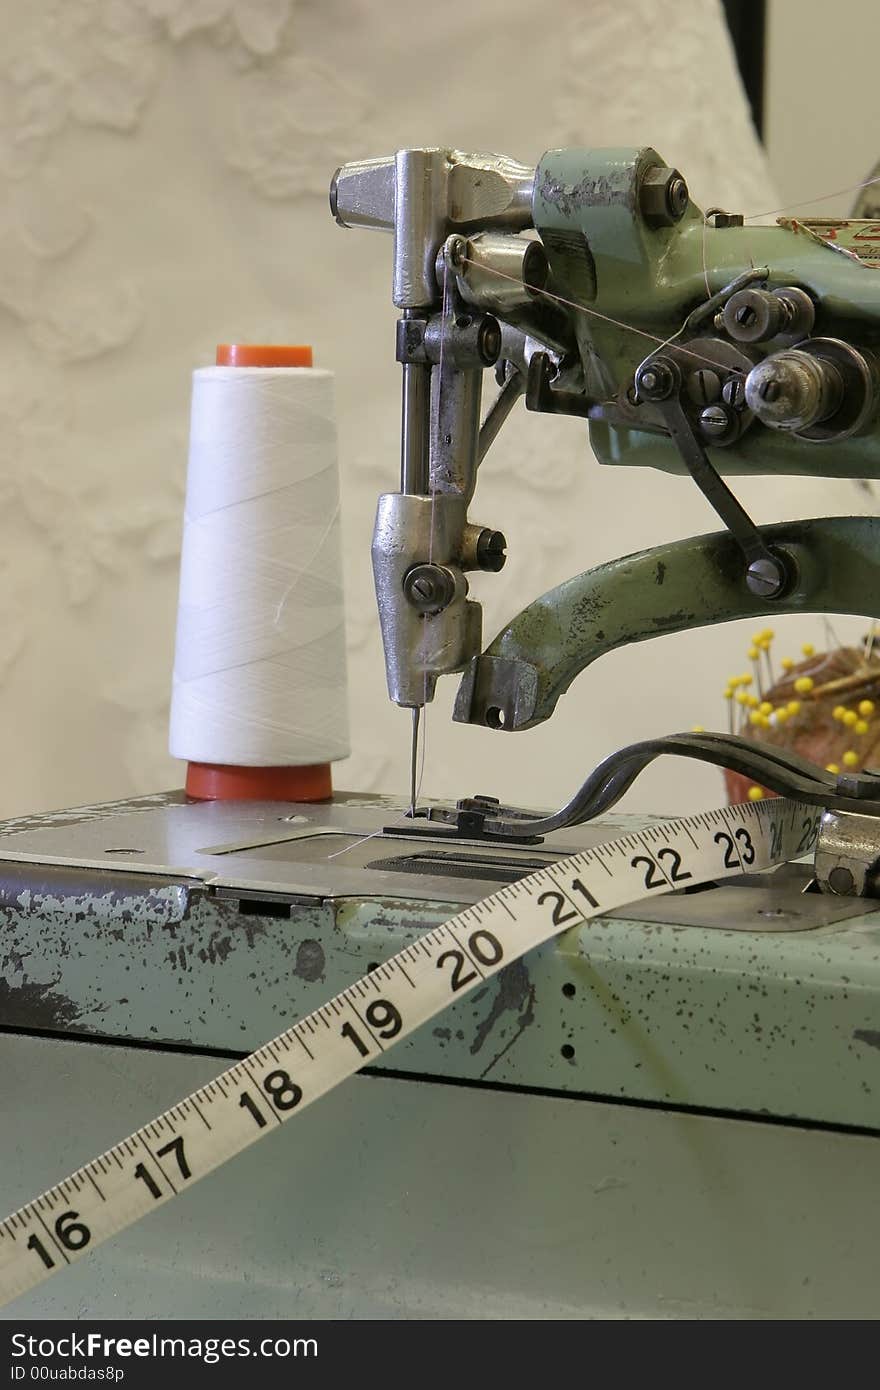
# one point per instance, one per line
(276, 1083)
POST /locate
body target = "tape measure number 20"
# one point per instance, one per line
(276, 1083)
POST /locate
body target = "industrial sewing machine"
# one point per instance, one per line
(673, 1112)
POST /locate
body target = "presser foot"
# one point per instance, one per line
(848, 858)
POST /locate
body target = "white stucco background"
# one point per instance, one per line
(164, 166)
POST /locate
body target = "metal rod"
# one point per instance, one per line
(414, 428)
(498, 412)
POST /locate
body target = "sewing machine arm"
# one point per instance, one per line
(834, 564)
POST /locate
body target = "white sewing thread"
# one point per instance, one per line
(259, 669)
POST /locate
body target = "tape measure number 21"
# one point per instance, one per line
(276, 1083)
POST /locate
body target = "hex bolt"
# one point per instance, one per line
(663, 196)
(657, 380)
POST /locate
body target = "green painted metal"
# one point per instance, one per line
(783, 1023)
(401, 1199)
(693, 583)
(605, 257)
(395, 1198)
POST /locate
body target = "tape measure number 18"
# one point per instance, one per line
(276, 1083)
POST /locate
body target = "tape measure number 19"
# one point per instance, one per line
(276, 1083)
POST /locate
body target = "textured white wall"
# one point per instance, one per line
(821, 132)
(164, 167)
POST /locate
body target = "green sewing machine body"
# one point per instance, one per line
(672, 1111)
(689, 342)
(605, 257)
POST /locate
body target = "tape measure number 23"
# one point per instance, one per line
(276, 1083)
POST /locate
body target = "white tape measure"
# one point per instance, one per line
(276, 1083)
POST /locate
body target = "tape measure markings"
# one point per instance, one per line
(226, 1115)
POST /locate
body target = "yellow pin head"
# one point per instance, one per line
(850, 759)
(866, 708)
(808, 649)
(803, 685)
(850, 718)
(756, 793)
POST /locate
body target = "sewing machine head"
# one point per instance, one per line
(690, 342)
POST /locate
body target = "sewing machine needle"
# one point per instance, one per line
(416, 716)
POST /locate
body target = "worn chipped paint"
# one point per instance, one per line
(788, 1024)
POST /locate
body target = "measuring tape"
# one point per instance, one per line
(275, 1084)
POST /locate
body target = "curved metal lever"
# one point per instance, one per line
(780, 771)
(518, 680)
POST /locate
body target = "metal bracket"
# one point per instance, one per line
(768, 574)
(518, 680)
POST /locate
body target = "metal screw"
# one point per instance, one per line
(765, 578)
(491, 548)
(429, 588)
(650, 381)
(734, 392)
(714, 421)
(841, 881)
(677, 197)
(489, 340)
(746, 315)
(456, 249)
(704, 386)
(769, 390)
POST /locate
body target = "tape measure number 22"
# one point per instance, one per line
(276, 1083)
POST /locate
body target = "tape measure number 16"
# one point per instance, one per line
(276, 1083)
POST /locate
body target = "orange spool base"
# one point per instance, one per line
(216, 782)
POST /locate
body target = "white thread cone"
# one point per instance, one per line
(259, 669)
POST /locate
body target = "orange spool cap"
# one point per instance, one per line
(264, 355)
(226, 782)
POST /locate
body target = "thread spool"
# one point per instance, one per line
(259, 702)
